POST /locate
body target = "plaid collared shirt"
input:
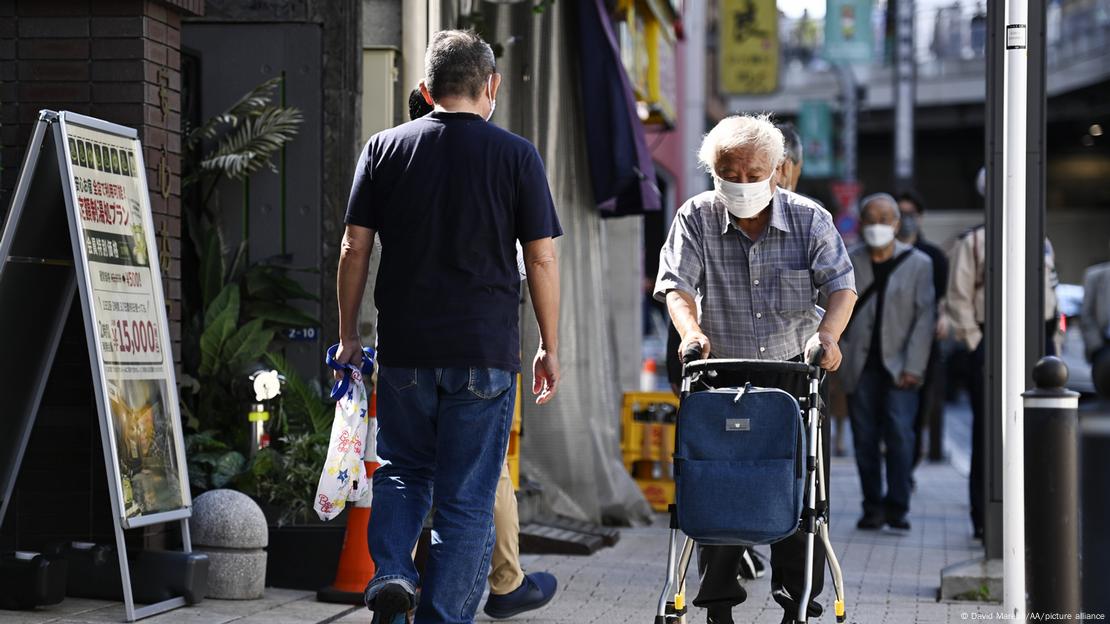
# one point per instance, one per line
(756, 300)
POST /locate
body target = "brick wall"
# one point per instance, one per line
(118, 60)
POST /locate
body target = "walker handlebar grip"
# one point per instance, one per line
(816, 356)
(787, 367)
(692, 353)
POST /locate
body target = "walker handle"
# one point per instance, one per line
(692, 353)
(816, 356)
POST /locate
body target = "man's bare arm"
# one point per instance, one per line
(542, 269)
(354, 262)
(684, 315)
(837, 315)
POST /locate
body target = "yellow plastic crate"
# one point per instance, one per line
(658, 492)
(647, 443)
(513, 456)
(647, 426)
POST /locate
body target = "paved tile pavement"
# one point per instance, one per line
(279, 606)
(889, 577)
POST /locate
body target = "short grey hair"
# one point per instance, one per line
(741, 131)
(792, 142)
(457, 64)
(881, 197)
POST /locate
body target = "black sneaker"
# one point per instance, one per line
(870, 522)
(898, 523)
(390, 605)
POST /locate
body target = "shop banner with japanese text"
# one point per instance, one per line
(124, 292)
(748, 63)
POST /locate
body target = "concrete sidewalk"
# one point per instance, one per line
(889, 577)
(280, 606)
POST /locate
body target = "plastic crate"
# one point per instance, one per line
(647, 443)
(513, 455)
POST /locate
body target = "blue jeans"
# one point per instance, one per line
(442, 436)
(881, 410)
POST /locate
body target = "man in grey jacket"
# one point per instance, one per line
(886, 350)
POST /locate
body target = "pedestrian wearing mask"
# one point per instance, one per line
(741, 272)
(966, 311)
(931, 407)
(449, 195)
(511, 591)
(886, 350)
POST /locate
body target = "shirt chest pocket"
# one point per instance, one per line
(795, 291)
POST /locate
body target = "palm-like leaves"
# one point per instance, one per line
(250, 105)
(250, 145)
(246, 135)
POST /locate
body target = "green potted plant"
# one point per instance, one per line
(233, 314)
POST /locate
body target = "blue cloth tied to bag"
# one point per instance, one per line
(343, 479)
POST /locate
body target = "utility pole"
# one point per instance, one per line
(905, 94)
(850, 113)
(694, 96)
(1014, 124)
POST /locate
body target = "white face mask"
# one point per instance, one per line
(878, 235)
(492, 102)
(744, 200)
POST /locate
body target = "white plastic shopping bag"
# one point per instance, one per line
(343, 479)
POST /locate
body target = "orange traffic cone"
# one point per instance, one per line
(355, 568)
(647, 375)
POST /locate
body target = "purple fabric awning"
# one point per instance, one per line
(621, 168)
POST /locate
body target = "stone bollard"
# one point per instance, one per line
(230, 528)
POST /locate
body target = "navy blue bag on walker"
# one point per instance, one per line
(739, 465)
(744, 459)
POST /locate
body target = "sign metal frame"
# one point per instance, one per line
(51, 131)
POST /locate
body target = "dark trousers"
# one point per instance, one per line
(883, 412)
(978, 436)
(930, 410)
(718, 566)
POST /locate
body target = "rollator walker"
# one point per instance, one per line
(708, 488)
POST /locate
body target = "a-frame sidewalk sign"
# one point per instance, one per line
(80, 223)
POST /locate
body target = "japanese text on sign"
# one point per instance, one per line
(749, 45)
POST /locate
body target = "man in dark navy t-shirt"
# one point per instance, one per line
(449, 195)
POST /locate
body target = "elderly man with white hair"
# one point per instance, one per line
(741, 272)
(886, 351)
